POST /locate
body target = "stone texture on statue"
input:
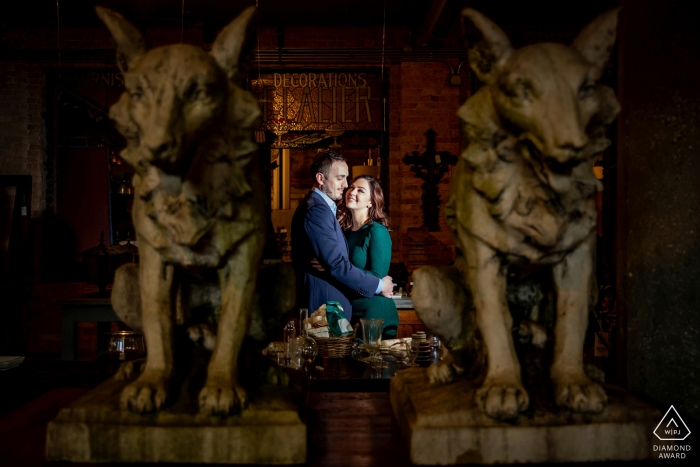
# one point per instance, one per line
(198, 207)
(521, 210)
(444, 426)
(198, 213)
(95, 429)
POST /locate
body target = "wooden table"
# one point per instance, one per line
(348, 416)
(85, 308)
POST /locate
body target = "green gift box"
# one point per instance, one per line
(337, 322)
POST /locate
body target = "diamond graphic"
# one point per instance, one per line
(671, 427)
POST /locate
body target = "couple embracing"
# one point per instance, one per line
(342, 252)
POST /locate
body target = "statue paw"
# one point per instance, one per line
(502, 399)
(130, 369)
(147, 394)
(444, 372)
(219, 397)
(579, 394)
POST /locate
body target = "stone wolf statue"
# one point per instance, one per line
(198, 208)
(522, 213)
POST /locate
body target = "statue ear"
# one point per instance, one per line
(130, 41)
(487, 44)
(596, 40)
(234, 43)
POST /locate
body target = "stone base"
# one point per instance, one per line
(443, 426)
(93, 429)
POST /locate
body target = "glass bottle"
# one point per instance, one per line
(309, 347)
(290, 333)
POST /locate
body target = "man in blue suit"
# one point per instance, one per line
(316, 234)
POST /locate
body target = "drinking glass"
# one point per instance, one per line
(295, 352)
(412, 351)
(309, 349)
(372, 334)
(290, 333)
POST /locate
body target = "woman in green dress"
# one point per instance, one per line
(361, 215)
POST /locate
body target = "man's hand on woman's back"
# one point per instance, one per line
(316, 265)
(387, 281)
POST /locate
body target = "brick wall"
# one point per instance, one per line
(22, 129)
(422, 98)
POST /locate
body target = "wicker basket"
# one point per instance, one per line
(336, 347)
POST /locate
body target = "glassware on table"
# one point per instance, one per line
(276, 350)
(372, 334)
(358, 347)
(125, 345)
(435, 349)
(290, 333)
(309, 347)
(294, 356)
(398, 351)
(377, 361)
(412, 351)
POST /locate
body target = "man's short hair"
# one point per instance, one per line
(323, 161)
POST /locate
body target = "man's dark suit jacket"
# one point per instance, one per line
(317, 234)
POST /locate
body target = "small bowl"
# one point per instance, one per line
(125, 345)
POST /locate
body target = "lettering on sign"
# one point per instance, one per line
(315, 100)
(101, 78)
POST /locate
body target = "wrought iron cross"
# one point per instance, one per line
(430, 167)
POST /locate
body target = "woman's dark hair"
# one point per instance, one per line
(376, 211)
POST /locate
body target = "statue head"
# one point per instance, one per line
(547, 95)
(177, 93)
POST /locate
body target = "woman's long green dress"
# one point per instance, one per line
(370, 250)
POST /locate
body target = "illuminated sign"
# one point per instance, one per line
(315, 100)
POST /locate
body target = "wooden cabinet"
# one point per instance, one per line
(408, 319)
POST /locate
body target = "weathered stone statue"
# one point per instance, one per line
(522, 213)
(522, 199)
(199, 215)
(198, 203)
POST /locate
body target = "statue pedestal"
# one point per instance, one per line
(93, 429)
(443, 426)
